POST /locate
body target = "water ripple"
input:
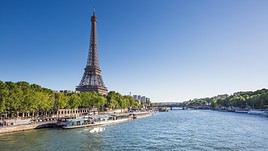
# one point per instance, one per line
(176, 130)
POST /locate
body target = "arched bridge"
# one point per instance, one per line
(170, 105)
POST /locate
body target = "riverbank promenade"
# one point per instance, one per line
(52, 121)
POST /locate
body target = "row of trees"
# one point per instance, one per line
(250, 99)
(25, 97)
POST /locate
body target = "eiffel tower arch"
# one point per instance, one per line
(92, 79)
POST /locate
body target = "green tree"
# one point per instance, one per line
(3, 96)
(214, 104)
(14, 98)
(99, 101)
(44, 102)
(113, 99)
(74, 101)
(60, 101)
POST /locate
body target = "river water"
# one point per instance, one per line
(176, 130)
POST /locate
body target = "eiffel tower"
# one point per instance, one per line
(92, 80)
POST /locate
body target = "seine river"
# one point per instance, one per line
(175, 130)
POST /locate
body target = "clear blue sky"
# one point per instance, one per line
(169, 50)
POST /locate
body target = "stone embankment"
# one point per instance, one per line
(48, 124)
(16, 128)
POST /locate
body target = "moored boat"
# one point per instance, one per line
(257, 112)
(77, 122)
(163, 109)
(241, 111)
(101, 120)
(88, 121)
(84, 121)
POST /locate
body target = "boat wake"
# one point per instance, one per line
(97, 130)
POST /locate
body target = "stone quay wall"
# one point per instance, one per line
(17, 128)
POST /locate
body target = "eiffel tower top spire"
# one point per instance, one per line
(92, 80)
(93, 56)
(94, 11)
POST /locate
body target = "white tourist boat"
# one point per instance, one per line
(96, 120)
(100, 120)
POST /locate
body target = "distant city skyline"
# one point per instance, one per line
(165, 50)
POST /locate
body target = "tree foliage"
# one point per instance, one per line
(25, 97)
(250, 99)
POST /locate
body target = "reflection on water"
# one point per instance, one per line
(176, 130)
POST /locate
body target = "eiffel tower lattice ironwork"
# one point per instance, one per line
(92, 80)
